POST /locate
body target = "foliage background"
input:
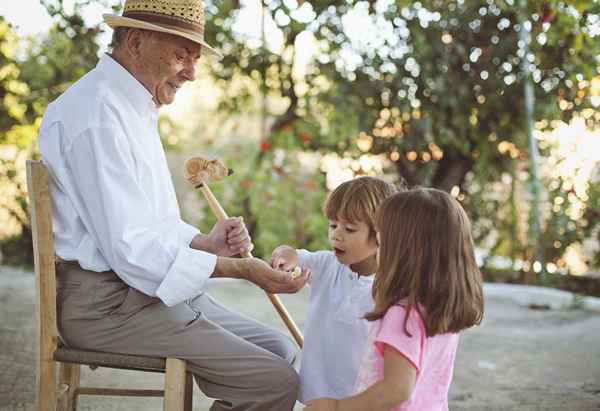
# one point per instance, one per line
(430, 92)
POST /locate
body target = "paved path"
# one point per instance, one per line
(518, 359)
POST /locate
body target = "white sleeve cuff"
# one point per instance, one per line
(187, 276)
(186, 233)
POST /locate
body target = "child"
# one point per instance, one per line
(340, 289)
(427, 289)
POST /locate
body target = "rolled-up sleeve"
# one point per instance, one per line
(149, 252)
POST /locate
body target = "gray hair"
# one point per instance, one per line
(120, 34)
(118, 37)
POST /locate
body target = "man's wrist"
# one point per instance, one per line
(202, 242)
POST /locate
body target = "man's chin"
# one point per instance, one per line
(166, 99)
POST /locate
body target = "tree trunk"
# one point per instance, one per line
(451, 172)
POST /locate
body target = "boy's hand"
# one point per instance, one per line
(322, 404)
(284, 258)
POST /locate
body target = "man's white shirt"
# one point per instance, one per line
(335, 331)
(114, 205)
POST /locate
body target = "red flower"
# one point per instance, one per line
(265, 146)
(304, 136)
(310, 184)
(547, 13)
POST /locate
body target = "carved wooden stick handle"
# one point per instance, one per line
(283, 312)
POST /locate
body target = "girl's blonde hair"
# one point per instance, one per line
(427, 261)
(357, 200)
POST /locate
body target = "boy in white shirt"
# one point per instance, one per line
(340, 289)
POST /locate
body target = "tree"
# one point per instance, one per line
(435, 86)
(50, 64)
(16, 134)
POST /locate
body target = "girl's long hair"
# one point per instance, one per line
(427, 261)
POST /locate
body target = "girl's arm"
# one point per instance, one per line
(396, 387)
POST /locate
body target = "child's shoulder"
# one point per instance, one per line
(320, 257)
(396, 310)
(321, 253)
(399, 311)
(321, 262)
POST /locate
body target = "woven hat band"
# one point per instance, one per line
(168, 21)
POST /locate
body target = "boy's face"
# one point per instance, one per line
(350, 241)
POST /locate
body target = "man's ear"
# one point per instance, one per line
(133, 42)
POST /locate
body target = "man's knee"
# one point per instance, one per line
(284, 379)
(286, 349)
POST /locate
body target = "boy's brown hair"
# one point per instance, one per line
(358, 200)
(427, 261)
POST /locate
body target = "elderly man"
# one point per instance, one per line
(131, 272)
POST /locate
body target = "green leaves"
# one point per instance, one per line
(280, 198)
(435, 86)
(33, 72)
(450, 74)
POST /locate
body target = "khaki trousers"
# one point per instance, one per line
(241, 363)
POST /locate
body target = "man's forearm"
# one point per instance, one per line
(231, 267)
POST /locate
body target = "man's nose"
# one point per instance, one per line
(189, 71)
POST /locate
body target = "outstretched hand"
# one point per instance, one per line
(275, 281)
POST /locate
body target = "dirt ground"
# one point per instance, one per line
(518, 359)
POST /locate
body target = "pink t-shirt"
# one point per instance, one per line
(432, 357)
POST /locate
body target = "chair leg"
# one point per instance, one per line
(189, 391)
(68, 380)
(45, 381)
(175, 383)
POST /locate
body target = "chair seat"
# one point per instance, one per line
(109, 360)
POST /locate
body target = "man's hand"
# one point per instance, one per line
(227, 238)
(274, 281)
(322, 404)
(284, 257)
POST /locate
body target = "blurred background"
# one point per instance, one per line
(496, 102)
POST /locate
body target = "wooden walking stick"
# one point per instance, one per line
(197, 171)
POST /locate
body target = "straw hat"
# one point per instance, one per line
(183, 18)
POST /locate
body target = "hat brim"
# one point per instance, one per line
(115, 21)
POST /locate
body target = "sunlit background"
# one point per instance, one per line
(238, 117)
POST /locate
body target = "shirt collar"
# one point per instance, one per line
(362, 279)
(134, 91)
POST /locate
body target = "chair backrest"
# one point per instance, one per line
(40, 211)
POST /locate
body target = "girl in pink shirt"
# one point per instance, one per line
(427, 289)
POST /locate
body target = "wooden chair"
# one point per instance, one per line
(61, 394)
